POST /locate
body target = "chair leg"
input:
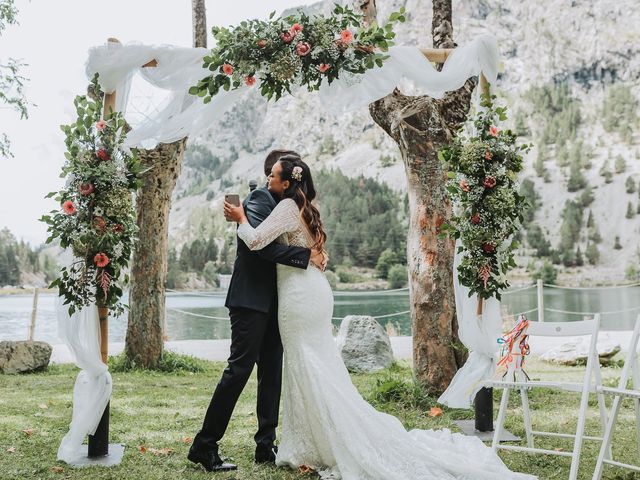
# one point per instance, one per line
(636, 401)
(500, 423)
(605, 448)
(602, 406)
(527, 416)
(582, 416)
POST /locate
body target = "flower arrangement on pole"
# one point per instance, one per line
(482, 180)
(96, 218)
(297, 50)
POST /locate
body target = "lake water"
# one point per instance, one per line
(186, 313)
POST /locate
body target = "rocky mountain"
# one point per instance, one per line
(589, 47)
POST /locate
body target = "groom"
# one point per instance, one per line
(255, 338)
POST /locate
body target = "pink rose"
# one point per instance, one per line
(493, 131)
(295, 29)
(490, 182)
(86, 189)
(286, 37)
(69, 208)
(250, 81)
(324, 67)
(262, 43)
(464, 185)
(346, 36)
(227, 69)
(303, 48)
(100, 125)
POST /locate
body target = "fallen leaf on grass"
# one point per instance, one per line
(161, 452)
(559, 449)
(304, 469)
(187, 440)
(193, 388)
(57, 469)
(43, 406)
(435, 412)
(28, 431)
(11, 450)
(142, 449)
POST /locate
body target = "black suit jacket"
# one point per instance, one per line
(253, 283)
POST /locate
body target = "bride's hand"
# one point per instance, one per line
(233, 213)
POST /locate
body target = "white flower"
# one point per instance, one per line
(98, 212)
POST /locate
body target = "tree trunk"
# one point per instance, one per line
(199, 23)
(421, 126)
(144, 340)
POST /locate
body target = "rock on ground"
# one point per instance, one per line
(364, 344)
(575, 351)
(24, 356)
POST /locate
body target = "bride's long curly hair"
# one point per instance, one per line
(303, 193)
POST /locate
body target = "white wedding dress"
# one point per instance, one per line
(326, 424)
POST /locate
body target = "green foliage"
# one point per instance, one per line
(546, 272)
(482, 171)
(17, 257)
(297, 49)
(11, 80)
(385, 261)
(362, 218)
(169, 362)
(398, 276)
(632, 272)
(210, 272)
(537, 240)
(528, 191)
(570, 231)
(558, 110)
(605, 171)
(541, 156)
(587, 197)
(332, 278)
(97, 216)
(620, 111)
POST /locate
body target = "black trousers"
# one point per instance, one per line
(255, 339)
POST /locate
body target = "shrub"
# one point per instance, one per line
(398, 276)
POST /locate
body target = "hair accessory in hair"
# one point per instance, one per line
(296, 173)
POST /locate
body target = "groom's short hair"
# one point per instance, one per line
(274, 156)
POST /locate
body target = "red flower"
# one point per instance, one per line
(295, 29)
(86, 189)
(346, 36)
(475, 218)
(490, 182)
(227, 69)
(324, 67)
(286, 37)
(488, 155)
(117, 228)
(262, 43)
(464, 185)
(100, 125)
(103, 155)
(69, 208)
(493, 131)
(101, 260)
(303, 48)
(99, 223)
(250, 81)
(488, 247)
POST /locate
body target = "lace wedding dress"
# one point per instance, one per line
(326, 424)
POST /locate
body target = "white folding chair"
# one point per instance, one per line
(516, 380)
(630, 369)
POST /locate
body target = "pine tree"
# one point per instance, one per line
(576, 178)
(630, 185)
(592, 253)
(539, 163)
(605, 172)
(579, 259)
(587, 197)
(620, 164)
(616, 243)
(631, 212)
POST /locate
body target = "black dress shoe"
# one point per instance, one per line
(211, 461)
(266, 455)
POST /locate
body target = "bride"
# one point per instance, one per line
(326, 424)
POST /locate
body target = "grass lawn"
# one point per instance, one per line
(151, 410)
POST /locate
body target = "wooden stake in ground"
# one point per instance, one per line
(421, 126)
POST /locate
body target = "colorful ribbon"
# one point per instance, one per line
(517, 336)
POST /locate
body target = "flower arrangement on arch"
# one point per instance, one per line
(294, 50)
(96, 219)
(482, 170)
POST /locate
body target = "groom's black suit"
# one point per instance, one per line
(253, 304)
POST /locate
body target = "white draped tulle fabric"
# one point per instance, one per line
(480, 336)
(179, 68)
(92, 389)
